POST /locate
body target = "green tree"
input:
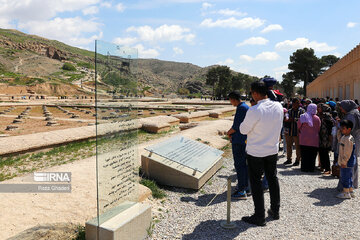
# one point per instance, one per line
(220, 78)
(212, 79)
(237, 81)
(327, 61)
(247, 84)
(305, 66)
(288, 84)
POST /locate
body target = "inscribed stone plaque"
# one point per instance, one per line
(187, 152)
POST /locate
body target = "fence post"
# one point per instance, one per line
(228, 224)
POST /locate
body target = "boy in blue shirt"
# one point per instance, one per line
(238, 141)
(346, 159)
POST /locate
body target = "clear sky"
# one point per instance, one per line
(252, 36)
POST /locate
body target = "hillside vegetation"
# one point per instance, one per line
(29, 61)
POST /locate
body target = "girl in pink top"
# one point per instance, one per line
(309, 127)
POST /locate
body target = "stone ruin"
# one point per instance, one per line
(18, 121)
(11, 128)
(52, 123)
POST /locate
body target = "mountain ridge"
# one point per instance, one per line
(24, 57)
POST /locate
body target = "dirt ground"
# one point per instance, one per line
(57, 231)
(34, 125)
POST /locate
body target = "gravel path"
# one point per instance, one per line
(309, 210)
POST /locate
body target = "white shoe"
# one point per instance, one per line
(352, 194)
(344, 195)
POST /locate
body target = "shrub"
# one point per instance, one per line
(68, 67)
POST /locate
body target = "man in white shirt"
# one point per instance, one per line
(262, 125)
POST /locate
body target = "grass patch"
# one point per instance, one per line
(74, 76)
(86, 65)
(226, 137)
(150, 230)
(226, 147)
(144, 136)
(80, 233)
(12, 166)
(155, 190)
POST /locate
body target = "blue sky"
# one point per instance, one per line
(252, 36)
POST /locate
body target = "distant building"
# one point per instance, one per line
(342, 80)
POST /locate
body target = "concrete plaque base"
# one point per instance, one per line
(170, 173)
(128, 221)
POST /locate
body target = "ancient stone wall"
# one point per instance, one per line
(342, 80)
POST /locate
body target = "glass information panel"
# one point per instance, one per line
(187, 152)
(116, 129)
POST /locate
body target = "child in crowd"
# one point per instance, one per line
(346, 159)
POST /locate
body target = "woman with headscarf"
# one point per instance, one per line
(309, 127)
(325, 137)
(350, 110)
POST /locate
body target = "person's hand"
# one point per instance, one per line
(231, 131)
(343, 165)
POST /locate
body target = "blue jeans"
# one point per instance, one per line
(265, 183)
(346, 177)
(239, 155)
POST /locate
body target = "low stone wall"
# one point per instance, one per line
(217, 113)
(30, 142)
(190, 117)
(158, 123)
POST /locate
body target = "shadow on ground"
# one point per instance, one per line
(211, 229)
(296, 171)
(233, 177)
(178, 189)
(203, 200)
(326, 197)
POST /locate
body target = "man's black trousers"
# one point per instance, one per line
(257, 166)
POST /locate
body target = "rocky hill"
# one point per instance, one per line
(36, 62)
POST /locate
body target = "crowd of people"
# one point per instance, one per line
(314, 126)
(319, 126)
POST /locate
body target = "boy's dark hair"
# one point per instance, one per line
(235, 95)
(294, 100)
(259, 87)
(346, 123)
